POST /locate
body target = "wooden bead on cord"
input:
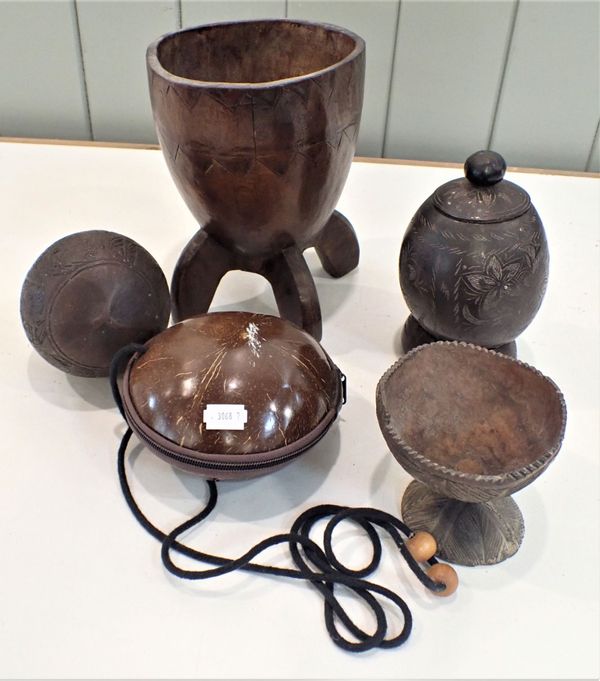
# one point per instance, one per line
(445, 574)
(422, 546)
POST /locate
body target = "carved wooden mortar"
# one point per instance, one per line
(258, 124)
(472, 426)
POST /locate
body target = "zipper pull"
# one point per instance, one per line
(344, 388)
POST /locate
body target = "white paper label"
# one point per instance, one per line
(225, 416)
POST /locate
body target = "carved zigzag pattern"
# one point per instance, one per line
(206, 160)
(233, 99)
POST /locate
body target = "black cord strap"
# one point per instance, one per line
(116, 366)
(317, 565)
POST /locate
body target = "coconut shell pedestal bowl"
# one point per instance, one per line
(258, 124)
(472, 426)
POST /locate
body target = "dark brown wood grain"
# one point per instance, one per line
(258, 124)
(337, 246)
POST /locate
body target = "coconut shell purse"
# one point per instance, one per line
(231, 395)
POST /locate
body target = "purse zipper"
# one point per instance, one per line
(222, 466)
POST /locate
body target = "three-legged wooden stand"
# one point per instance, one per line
(204, 262)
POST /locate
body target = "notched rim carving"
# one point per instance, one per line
(420, 461)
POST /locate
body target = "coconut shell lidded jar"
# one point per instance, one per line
(474, 260)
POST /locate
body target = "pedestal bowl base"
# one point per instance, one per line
(204, 262)
(413, 335)
(467, 533)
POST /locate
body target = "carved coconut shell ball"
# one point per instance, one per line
(88, 295)
(232, 394)
(474, 259)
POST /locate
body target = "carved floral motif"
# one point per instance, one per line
(476, 277)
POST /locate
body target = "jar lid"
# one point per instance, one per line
(483, 195)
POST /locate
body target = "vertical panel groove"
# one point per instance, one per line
(84, 85)
(179, 13)
(286, 8)
(390, 82)
(549, 102)
(449, 58)
(511, 32)
(588, 163)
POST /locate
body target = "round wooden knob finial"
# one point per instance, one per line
(422, 546)
(444, 574)
(485, 168)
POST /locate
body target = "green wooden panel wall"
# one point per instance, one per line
(548, 110)
(447, 72)
(41, 79)
(443, 77)
(195, 12)
(114, 37)
(593, 162)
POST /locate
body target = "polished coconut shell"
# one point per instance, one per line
(232, 394)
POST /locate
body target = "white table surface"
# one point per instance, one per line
(82, 590)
